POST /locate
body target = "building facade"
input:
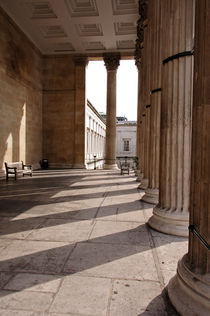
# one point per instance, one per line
(126, 141)
(95, 138)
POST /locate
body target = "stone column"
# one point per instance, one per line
(138, 152)
(152, 192)
(140, 126)
(146, 100)
(189, 290)
(112, 62)
(141, 23)
(80, 110)
(171, 215)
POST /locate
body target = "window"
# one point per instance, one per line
(126, 145)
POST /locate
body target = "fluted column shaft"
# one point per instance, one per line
(152, 192)
(138, 129)
(172, 213)
(146, 103)
(139, 57)
(142, 119)
(111, 63)
(189, 290)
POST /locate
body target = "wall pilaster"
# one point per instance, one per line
(80, 106)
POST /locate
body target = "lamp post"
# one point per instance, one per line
(94, 162)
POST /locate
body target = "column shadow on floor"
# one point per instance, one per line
(60, 261)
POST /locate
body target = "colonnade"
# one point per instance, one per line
(165, 111)
(173, 135)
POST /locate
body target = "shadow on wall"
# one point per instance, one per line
(11, 100)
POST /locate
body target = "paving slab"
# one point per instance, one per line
(63, 210)
(133, 298)
(170, 249)
(120, 233)
(112, 261)
(25, 300)
(4, 278)
(63, 230)
(6, 312)
(76, 242)
(35, 256)
(131, 212)
(107, 212)
(16, 229)
(83, 295)
(34, 282)
(4, 243)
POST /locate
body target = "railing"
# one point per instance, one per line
(193, 230)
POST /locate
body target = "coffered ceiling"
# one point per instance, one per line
(89, 27)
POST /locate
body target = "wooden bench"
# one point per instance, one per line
(17, 168)
(124, 166)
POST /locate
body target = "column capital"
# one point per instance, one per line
(111, 60)
(143, 4)
(81, 60)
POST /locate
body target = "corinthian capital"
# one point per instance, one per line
(81, 60)
(111, 60)
(143, 10)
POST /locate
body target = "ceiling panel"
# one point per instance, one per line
(82, 8)
(76, 26)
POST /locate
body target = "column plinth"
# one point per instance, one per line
(111, 166)
(151, 196)
(188, 291)
(169, 221)
(144, 183)
(139, 175)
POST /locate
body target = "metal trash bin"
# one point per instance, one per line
(44, 163)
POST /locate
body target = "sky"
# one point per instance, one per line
(127, 77)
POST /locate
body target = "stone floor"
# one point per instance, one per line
(75, 242)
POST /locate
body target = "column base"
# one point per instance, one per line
(151, 196)
(111, 166)
(144, 184)
(172, 222)
(140, 176)
(189, 292)
(136, 172)
(55, 165)
(79, 166)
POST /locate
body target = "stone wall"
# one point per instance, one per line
(20, 96)
(58, 110)
(42, 102)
